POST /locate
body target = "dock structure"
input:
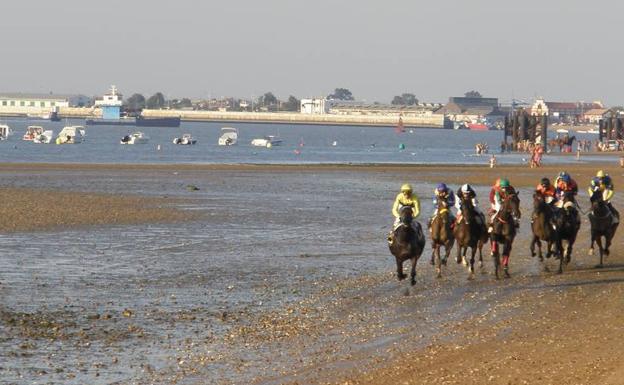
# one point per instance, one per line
(523, 127)
(611, 127)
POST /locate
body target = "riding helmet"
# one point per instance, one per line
(545, 182)
(504, 182)
(601, 174)
(564, 176)
(441, 187)
(406, 187)
(466, 188)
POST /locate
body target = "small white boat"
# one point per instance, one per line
(562, 131)
(32, 132)
(135, 138)
(185, 139)
(5, 131)
(44, 138)
(229, 136)
(267, 141)
(71, 135)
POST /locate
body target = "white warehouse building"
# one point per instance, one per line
(21, 103)
(315, 106)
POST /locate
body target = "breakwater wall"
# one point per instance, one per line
(426, 120)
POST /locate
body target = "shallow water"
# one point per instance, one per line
(353, 145)
(160, 303)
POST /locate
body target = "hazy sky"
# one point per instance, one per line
(559, 49)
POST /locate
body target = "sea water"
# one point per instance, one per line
(302, 144)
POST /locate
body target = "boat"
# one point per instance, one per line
(229, 136)
(44, 138)
(111, 103)
(478, 126)
(71, 135)
(5, 131)
(593, 131)
(142, 121)
(32, 132)
(267, 141)
(562, 131)
(185, 139)
(135, 138)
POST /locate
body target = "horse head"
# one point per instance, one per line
(511, 205)
(539, 200)
(597, 202)
(467, 208)
(406, 215)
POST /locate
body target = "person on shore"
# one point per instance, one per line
(442, 195)
(498, 193)
(406, 198)
(467, 192)
(602, 182)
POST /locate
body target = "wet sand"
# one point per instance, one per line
(310, 296)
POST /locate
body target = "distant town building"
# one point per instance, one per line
(110, 104)
(27, 104)
(472, 109)
(568, 112)
(315, 106)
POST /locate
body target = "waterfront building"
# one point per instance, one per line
(472, 109)
(568, 112)
(315, 106)
(15, 104)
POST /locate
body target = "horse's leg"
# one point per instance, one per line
(438, 261)
(496, 258)
(559, 244)
(458, 259)
(506, 253)
(413, 273)
(591, 243)
(400, 274)
(600, 250)
(473, 251)
(480, 247)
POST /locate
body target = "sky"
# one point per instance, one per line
(562, 50)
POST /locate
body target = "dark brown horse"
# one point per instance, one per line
(441, 235)
(543, 227)
(407, 244)
(568, 225)
(470, 231)
(504, 231)
(603, 224)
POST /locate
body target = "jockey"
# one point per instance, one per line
(567, 186)
(547, 190)
(497, 196)
(602, 182)
(445, 194)
(405, 198)
(467, 192)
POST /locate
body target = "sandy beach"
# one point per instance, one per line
(246, 281)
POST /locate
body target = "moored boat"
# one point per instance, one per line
(135, 138)
(5, 131)
(44, 138)
(186, 139)
(267, 141)
(71, 135)
(32, 132)
(229, 136)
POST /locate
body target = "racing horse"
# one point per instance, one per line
(568, 225)
(602, 223)
(441, 235)
(504, 231)
(470, 231)
(543, 227)
(406, 243)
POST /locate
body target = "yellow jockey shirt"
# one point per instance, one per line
(401, 200)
